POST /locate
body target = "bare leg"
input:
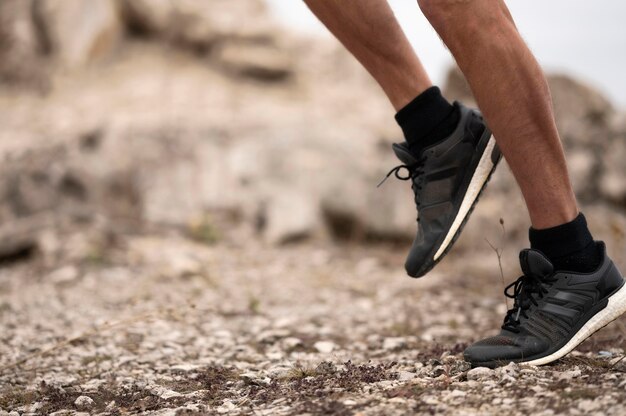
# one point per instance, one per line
(369, 30)
(513, 94)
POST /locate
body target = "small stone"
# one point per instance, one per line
(325, 347)
(66, 274)
(394, 343)
(406, 375)
(185, 367)
(588, 405)
(164, 393)
(292, 342)
(568, 375)
(249, 376)
(84, 402)
(349, 402)
(226, 407)
(397, 400)
(510, 370)
(457, 393)
(479, 373)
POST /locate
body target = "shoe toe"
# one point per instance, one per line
(420, 259)
(502, 349)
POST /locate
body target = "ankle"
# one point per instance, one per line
(427, 119)
(569, 246)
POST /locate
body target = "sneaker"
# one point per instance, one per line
(554, 311)
(447, 179)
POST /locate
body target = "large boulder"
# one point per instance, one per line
(613, 177)
(80, 31)
(197, 23)
(237, 34)
(20, 45)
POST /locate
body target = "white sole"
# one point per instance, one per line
(615, 307)
(485, 165)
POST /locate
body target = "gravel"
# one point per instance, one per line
(249, 329)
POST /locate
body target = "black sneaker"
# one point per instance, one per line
(553, 312)
(447, 179)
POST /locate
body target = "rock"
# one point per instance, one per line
(579, 110)
(80, 31)
(290, 215)
(457, 88)
(256, 61)
(394, 343)
(164, 393)
(510, 370)
(84, 402)
(324, 347)
(612, 183)
(291, 342)
(20, 45)
(226, 407)
(186, 368)
(480, 373)
(582, 168)
(406, 375)
(192, 23)
(272, 335)
(589, 405)
(66, 274)
(458, 393)
(570, 374)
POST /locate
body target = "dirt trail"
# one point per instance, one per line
(162, 324)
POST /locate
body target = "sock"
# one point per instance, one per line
(428, 119)
(569, 246)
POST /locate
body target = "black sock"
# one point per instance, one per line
(569, 246)
(427, 119)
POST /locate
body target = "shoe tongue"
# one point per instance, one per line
(534, 262)
(403, 153)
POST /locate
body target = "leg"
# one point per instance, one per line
(448, 150)
(369, 30)
(513, 94)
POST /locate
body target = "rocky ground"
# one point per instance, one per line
(165, 325)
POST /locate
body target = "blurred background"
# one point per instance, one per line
(225, 154)
(245, 120)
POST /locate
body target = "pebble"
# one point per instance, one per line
(570, 374)
(325, 347)
(185, 367)
(84, 402)
(164, 393)
(457, 393)
(479, 373)
(226, 407)
(394, 343)
(292, 342)
(406, 375)
(66, 274)
(588, 405)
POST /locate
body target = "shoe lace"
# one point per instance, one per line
(526, 290)
(413, 172)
